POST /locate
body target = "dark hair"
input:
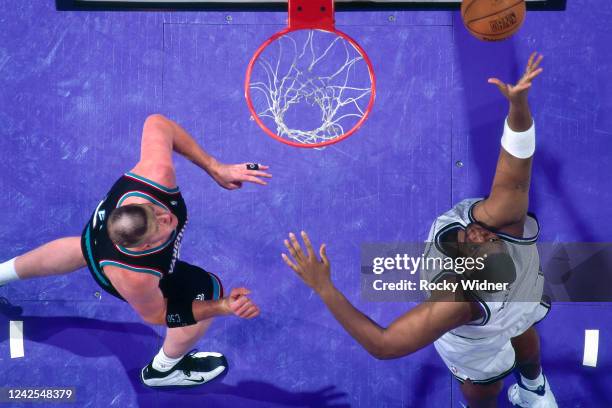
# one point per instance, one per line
(127, 225)
(449, 243)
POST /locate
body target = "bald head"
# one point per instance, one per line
(128, 225)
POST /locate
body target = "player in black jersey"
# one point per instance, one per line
(131, 246)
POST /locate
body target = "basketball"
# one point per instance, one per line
(493, 20)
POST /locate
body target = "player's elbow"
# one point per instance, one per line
(510, 216)
(380, 355)
(158, 124)
(156, 119)
(380, 350)
(388, 349)
(384, 354)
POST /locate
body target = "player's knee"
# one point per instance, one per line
(476, 392)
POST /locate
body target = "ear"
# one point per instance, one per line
(165, 218)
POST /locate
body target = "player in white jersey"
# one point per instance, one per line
(481, 335)
(481, 352)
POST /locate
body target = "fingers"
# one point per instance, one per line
(254, 312)
(238, 302)
(534, 74)
(290, 264)
(323, 253)
(238, 292)
(259, 165)
(251, 313)
(309, 249)
(258, 173)
(522, 87)
(296, 246)
(293, 246)
(527, 79)
(240, 305)
(291, 250)
(247, 311)
(531, 59)
(534, 61)
(240, 173)
(502, 86)
(254, 172)
(537, 63)
(252, 179)
(244, 307)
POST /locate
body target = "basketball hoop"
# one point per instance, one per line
(310, 85)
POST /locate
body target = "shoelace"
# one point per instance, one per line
(189, 362)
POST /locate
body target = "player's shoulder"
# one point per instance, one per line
(460, 215)
(463, 209)
(162, 175)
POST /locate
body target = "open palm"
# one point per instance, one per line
(515, 93)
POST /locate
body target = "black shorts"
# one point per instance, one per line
(192, 282)
(189, 280)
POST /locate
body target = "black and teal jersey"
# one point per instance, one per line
(100, 251)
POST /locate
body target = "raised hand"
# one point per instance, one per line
(314, 272)
(239, 304)
(518, 92)
(231, 176)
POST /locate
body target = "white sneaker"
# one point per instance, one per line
(522, 397)
(195, 368)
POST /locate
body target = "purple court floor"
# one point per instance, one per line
(77, 86)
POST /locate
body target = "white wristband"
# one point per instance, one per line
(519, 144)
(8, 272)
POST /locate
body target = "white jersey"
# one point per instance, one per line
(504, 311)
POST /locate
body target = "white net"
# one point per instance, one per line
(310, 86)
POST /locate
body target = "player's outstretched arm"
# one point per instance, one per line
(506, 207)
(409, 333)
(161, 136)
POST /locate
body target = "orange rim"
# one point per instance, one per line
(269, 132)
